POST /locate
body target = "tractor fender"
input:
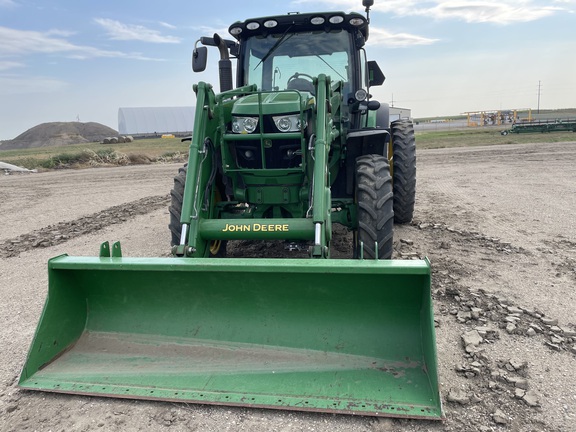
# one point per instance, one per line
(383, 116)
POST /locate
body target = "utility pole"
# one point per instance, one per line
(539, 86)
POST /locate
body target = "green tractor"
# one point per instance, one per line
(296, 146)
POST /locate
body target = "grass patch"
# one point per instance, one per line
(138, 152)
(163, 150)
(471, 137)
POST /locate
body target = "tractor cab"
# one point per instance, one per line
(288, 52)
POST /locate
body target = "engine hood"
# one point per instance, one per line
(272, 103)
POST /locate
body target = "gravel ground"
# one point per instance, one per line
(496, 223)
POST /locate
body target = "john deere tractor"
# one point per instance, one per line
(297, 145)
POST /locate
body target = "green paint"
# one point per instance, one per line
(344, 336)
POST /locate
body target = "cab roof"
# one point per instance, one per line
(297, 22)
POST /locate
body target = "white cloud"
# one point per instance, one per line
(8, 3)
(89, 52)
(209, 31)
(471, 11)
(120, 31)
(26, 85)
(167, 25)
(18, 43)
(59, 32)
(567, 5)
(385, 38)
(487, 11)
(7, 64)
(378, 36)
(334, 4)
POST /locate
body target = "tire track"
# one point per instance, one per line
(63, 231)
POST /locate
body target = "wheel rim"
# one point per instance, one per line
(215, 246)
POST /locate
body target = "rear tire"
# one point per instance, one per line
(375, 199)
(404, 170)
(217, 248)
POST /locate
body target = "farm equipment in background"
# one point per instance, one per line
(542, 126)
(296, 146)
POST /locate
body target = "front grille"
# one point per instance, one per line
(281, 154)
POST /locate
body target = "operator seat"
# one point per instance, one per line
(301, 84)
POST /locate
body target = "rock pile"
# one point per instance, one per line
(64, 231)
(502, 386)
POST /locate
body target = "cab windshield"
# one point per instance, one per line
(283, 61)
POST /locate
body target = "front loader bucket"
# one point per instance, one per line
(343, 336)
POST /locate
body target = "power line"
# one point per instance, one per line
(539, 88)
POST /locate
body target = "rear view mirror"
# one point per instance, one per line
(373, 105)
(375, 77)
(199, 59)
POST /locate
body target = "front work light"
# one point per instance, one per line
(288, 123)
(244, 125)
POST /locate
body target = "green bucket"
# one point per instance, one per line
(342, 336)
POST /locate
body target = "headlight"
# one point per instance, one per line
(290, 123)
(244, 125)
(361, 95)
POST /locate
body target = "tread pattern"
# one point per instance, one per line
(404, 170)
(175, 209)
(375, 206)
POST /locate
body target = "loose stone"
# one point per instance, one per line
(553, 346)
(472, 338)
(531, 398)
(518, 364)
(549, 321)
(499, 417)
(515, 310)
(458, 396)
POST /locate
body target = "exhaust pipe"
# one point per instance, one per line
(224, 65)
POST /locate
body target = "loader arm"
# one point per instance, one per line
(192, 199)
(321, 194)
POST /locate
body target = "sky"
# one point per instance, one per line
(79, 60)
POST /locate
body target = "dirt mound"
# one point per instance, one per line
(59, 134)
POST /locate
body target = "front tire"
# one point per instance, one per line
(175, 209)
(374, 198)
(217, 248)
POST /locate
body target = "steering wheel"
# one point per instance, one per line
(298, 75)
(295, 82)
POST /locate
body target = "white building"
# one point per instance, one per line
(155, 120)
(397, 113)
